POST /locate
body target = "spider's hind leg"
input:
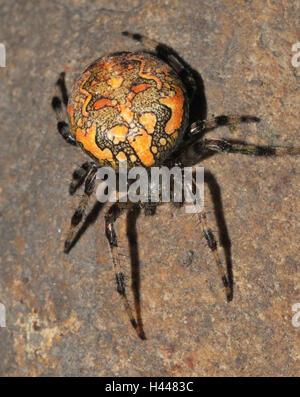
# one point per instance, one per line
(212, 244)
(110, 218)
(62, 96)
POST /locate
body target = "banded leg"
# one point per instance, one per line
(79, 212)
(230, 146)
(62, 126)
(79, 176)
(212, 244)
(111, 216)
(194, 145)
(201, 126)
(170, 56)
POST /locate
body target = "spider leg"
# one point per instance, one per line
(171, 57)
(62, 126)
(79, 212)
(212, 244)
(79, 176)
(202, 126)
(110, 217)
(230, 146)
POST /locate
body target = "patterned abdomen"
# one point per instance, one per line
(128, 106)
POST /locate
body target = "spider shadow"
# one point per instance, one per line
(89, 220)
(131, 232)
(224, 239)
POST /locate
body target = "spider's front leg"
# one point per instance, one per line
(111, 216)
(62, 96)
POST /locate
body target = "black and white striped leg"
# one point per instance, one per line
(230, 146)
(111, 216)
(62, 96)
(79, 176)
(80, 211)
(201, 126)
(212, 244)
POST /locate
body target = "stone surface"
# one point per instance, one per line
(63, 314)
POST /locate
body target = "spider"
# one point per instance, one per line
(137, 106)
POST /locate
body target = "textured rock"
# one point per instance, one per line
(64, 316)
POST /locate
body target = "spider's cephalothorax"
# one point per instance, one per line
(135, 107)
(128, 106)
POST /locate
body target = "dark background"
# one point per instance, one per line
(64, 316)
